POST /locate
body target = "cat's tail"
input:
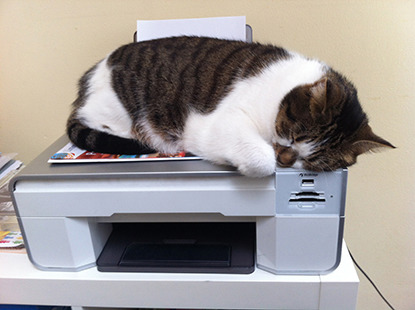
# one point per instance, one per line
(101, 142)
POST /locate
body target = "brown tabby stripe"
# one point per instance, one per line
(315, 156)
(224, 74)
(203, 76)
(302, 138)
(188, 91)
(205, 66)
(261, 60)
(289, 114)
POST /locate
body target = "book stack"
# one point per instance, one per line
(8, 168)
(10, 236)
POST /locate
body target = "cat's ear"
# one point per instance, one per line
(312, 100)
(366, 141)
(320, 104)
(318, 96)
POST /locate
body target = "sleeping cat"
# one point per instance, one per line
(230, 102)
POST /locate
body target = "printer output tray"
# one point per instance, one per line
(180, 247)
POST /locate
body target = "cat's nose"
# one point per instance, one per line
(286, 156)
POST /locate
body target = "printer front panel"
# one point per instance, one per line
(78, 214)
(227, 195)
(283, 206)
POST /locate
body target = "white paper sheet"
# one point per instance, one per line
(217, 27)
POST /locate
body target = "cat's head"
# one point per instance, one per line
(322, 126)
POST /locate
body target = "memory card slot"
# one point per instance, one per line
(307, 194)
(307, 199)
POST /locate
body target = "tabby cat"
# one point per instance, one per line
(230, 102)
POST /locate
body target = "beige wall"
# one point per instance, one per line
(46, 45)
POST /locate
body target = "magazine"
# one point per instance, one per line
(72, 154)
(11, 240)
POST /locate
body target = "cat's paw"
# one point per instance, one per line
(256, 171)
(259, 164)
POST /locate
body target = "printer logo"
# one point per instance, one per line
(308, 174)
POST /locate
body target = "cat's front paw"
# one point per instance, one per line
(258, 167)
(257, 171)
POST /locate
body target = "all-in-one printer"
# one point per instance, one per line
(178, 216)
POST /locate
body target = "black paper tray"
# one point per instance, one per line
(180, 247)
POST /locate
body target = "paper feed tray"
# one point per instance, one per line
(180, 247)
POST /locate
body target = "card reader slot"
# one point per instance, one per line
(307, 194)
(307, 199)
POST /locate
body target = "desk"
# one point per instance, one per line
(21, 283)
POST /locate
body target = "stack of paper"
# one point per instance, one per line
(232, 28)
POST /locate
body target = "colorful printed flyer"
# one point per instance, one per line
(72, 154)
(11, 240)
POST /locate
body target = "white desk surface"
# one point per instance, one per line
(21, 283)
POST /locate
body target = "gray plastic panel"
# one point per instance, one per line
(299, 244)
(301, 192)
(109, 196)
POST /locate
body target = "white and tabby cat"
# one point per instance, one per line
(230, 102)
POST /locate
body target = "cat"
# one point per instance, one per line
(249, 105)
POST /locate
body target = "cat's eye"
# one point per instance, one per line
(300, 138)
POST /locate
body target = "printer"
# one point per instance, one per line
(178, 216)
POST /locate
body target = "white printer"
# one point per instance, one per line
(178, 216)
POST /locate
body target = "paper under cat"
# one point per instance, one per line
(230, 102)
